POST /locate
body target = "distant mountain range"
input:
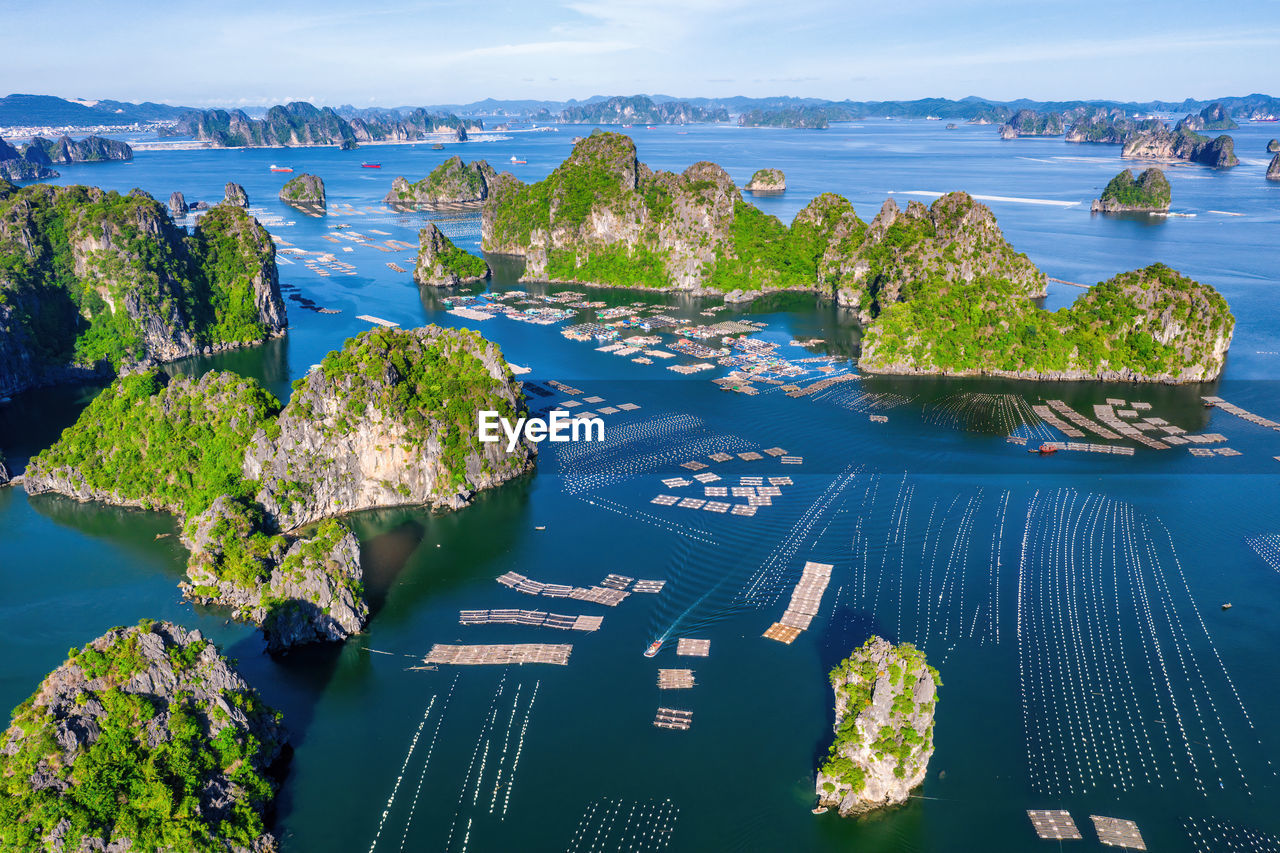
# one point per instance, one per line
(51, 110)
(47, 110)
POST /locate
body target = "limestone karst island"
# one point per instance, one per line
(596, 427)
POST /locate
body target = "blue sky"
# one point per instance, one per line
(394, 52)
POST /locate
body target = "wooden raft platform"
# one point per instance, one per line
(692, 648)
(673, 718)
(530, 617)
(500, 654)
(675, 679)
(1117, 832)
(806, 598)
(1055, 825)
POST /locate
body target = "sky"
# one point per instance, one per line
(401, 52)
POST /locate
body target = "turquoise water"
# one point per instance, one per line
(1072, 604)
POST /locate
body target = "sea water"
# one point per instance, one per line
(1071, 603)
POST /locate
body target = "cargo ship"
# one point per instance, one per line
(276, 168)
(653, 648)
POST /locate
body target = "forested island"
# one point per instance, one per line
(389, 420)
(640, 109)
(146, 739)
(604, 218)
(300, 123)
(304, 191)
(1149, 193)
(442, 264)
(1149, 325)
(885, 700)
(93, 281)
(452, 182)
(767, 181)
(36, 159)
(805, 118)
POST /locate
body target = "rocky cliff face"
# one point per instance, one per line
(1212, 117)
(602, 217)
(1032, 123)
(301, 124)
(95, 281)
(143, 715)
(1149, 325)
(767, 181)
(65, 150)
(390, 420)
(234, 194)
(177, 205)
(885, 698)
(442, 264)
(449, 183)
(1273, 170)
(602, 203)
(301, 591)
(1182, 144)
(640, 109)
(1150, 193)
(955, 239)
(1273, 147)
(15, 167)
(304, 189)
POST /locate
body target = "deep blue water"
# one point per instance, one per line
(1071, 603)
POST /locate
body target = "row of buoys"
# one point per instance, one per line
(1114, 680)
(426, 762)
(1212, 835)
(395, 789)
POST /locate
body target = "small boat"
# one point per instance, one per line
(276, 168)
(653, 648)
(820, 810)
(370, 165)
(517, 160)
(1227, 606)
(1045, 449)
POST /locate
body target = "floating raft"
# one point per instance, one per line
(1116, 832)
(693, 465)
(369, 318)
(692, 648)
(1243, 414)
(806, 598)
(673, 718)
(500, 655)
(1054, 825)
(721, 456)
(782, 633)
(595, 594)
(616, 581)
(675, 679)
(530, 617)
(879, 419)
(648, 586)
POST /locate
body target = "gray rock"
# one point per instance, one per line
(328, 460)
(1273, 170)
(234, 194)
(170, 668)
(304, 190)
(869, 674)
(178, 205)
(440, 262)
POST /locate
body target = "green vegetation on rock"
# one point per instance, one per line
(885, 697)
(88, 276)
(175, 445)
(1150, 192)
(1148, 325)
(439, 386)
(144, 738)
(604, 218)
